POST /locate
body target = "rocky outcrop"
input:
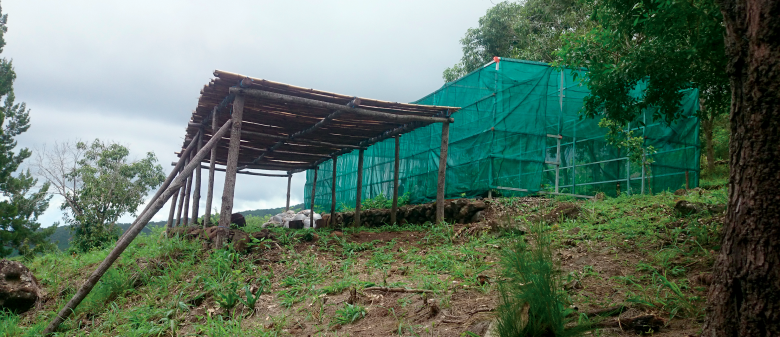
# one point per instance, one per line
(19, 290)
(455, 211)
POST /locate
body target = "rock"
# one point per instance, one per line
(336, 234)
(716, 209)
(240, 240)
(264, 235)
(563, 211)
(684, 207)
(478, 216)
(681, 191)
(238, 219)
(19, 290)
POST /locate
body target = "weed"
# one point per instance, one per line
(349, 314)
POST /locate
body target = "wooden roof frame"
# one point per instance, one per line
(292, 129)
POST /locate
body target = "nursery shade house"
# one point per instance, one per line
(519, 132)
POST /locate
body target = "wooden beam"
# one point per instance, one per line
(172, 212)
(389, 117)
(309, 130)
(332, 220)
(130, 234)
(289, 182)
(196, 192)
(181, 199)
(359, 187)
(244, 172)
(280, 137)
(396, 165)
(313, 197)
(441, 186)
(212, 163)
(232, 163)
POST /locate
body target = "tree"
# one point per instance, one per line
(21, 205)
(529, 30)
(669, 45)
(98, 185)
(744, 298)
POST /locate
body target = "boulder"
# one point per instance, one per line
(238, 219)
(19, 290)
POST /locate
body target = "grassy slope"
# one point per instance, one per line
(632, 250)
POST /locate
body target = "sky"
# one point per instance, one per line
(131, 71)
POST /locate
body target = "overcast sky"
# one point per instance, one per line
(131, 71)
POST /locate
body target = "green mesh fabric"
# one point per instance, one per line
(504, 139)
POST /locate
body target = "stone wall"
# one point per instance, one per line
(455, 211)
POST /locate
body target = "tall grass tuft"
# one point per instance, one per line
(532, 300)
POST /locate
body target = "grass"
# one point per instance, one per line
(627, 250)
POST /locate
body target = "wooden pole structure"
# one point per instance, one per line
(172, 212)
(196, 192)
(187, 197)
(232, 163)
(396, 166)
(161, 198)
(289, 182)
(359, 187)
(354, 110)
(332, 220)
(313, 196)
(212, 163)
(441, 186)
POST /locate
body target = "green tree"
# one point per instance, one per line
(21, 204)
(98, 184)
(528, 30)
(669, 45)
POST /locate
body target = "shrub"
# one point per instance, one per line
(532, 300)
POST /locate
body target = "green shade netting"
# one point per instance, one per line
(501, 139)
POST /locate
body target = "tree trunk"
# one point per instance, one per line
(744, 299)
(707, 127)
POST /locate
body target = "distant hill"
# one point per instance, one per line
(62, 235)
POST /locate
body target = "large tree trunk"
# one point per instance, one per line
(744, 299)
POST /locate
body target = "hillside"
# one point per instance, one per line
(631, 256)
(62, 235)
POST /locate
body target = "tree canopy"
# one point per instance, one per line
(99, 184)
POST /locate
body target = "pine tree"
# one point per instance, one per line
(21, 204)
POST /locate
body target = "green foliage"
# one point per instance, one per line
(378, 202)
(21, 204)
(226, 296)
(621, 138)
(532, 300)
(349, 314)
(99, 184)
(665, 45)
(528, 30)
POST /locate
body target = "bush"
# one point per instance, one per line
(532, 300)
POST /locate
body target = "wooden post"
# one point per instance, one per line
(196, 192)
(396, 166)
(172, 212)
(181, 198)
(332, 220)
(187, 196)
(687, 184)
(313, 195)
(162, 197)
(212, 163)
(232, 162)
(289, 182)
(359, 188)
(441, 186)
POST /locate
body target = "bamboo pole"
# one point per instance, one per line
(441, 186)
(313, 196)
(332, 220)
(187, 197)
(232, 163)
(132, 232)
(384, 116)
(396, 166)
(196, 192)
(181, 199)
(172, 212)
(359, 187)
(212, 163)
(289, 182)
